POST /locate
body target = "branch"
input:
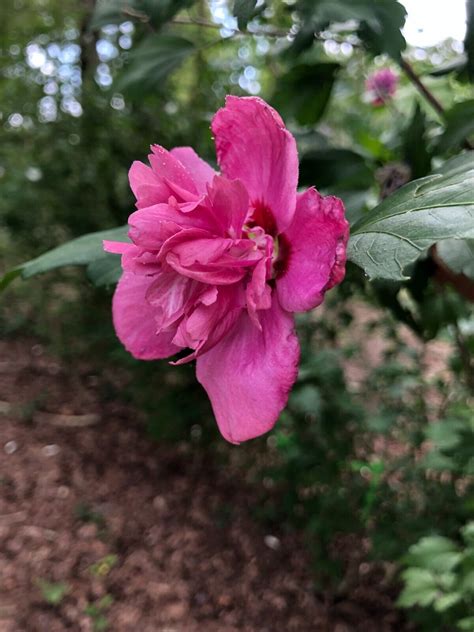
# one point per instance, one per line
(414, 78)
(429, 96)
(213, 25)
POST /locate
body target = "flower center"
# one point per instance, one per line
(262, 216)
(262, 230)
(281, 255)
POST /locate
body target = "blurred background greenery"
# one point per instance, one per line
(383, 450)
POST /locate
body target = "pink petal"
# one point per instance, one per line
(134, 320)
(258, 292)
(229, 204)
(195, 254)
(166, 166)
(139, 175)
(314, 251)
(117, 247)
(254, 146)
(146, 186)
(249, 373)
(215, 313)
(151, 226)
(149, 194)
(201, 172)
(183, 194)
(134, 258)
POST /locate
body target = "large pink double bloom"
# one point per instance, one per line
(219, 262)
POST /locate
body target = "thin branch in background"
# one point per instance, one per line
(429, 96)
(205, 23)
(415, 79)
(196, 22)
(133, 13)
(87, 40)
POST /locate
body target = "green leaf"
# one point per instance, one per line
(117, 11)
(458, 65)
(420, 588)
(380, 21)
(459, 126)
(306, 399)
(105, 271)
(244, 11)
(52, 593)
(445, 435)
(154, 12)
(438, 461)
(434, 553)
(466, 624)
(310, 86)
(8, 277)
(84, 250)
(415, 149)
(447, 601)
(152, 62)
(468, 533)
(458, 255)
(395, 233)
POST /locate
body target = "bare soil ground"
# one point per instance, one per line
(139, 536)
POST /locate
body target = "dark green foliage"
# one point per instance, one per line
(440, 578)
(326, 475)
(459, 126)
(342, 172)
(151, 63)
(152, 12)
(314, 443)
(415, 145)
(311, 87)
(340, 168)
(419, 302)
(379, 21)
(244, 10)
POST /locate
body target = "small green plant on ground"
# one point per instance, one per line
(52, 592)
(439, 581)
(97, 612)
(103, 567)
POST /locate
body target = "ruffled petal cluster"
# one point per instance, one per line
(218, 263)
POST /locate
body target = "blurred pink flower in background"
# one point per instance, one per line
(381, 86)
(218, 263)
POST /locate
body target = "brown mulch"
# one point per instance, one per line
(88, 501)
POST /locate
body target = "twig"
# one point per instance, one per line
(196, 22)
(429, 96)
(414, 78)
(133, 13)
(214, 25)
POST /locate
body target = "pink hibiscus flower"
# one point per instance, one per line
(218, 264)
(381, 86)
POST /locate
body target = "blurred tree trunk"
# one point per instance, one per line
(87, 40)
